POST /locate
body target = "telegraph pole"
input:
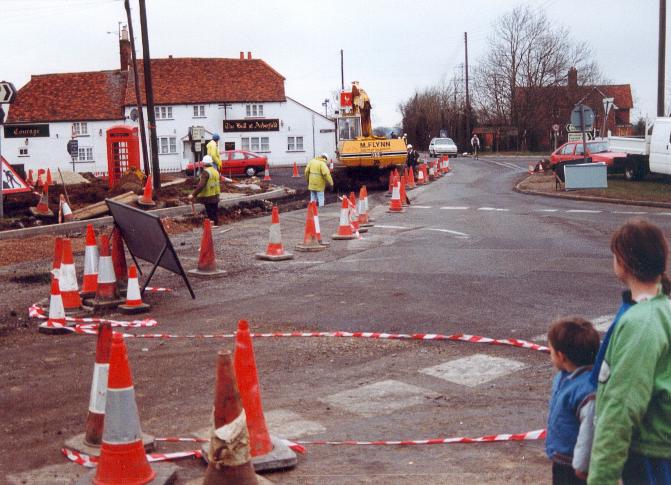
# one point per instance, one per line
(342, 71)
(468, 101)
(661, 53)
(149, 91)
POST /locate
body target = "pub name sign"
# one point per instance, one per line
(252, 125)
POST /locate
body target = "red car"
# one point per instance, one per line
(597, 150)
(236, 162)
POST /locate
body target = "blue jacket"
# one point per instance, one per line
(570, 392)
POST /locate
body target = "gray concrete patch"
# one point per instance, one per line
(63, 474)
(474, 370)
(290, 425)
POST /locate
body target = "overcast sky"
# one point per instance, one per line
(393, 48)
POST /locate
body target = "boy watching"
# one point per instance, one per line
(573, 344)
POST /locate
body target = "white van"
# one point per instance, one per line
(651, 153)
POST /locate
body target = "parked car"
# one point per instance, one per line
(236, 162)
(442, 146)
(597, 150)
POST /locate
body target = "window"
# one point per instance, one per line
(199, 111)
(23, 152)
(254, 110)
(295, 143)
(237, 156)
(256, 144)
(85, 154)
(567, 150)
(167, 145)
(163, 112)
(579, 149)
(79, 129)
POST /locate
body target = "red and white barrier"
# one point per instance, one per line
(92, 461)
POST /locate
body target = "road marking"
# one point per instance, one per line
(473, 370)
(288, 424)
(584, 211)
(455, 207)
(602, 323)
(629, 212)
(496, 209)
(663, 213)
(384, 397)
(456, 233)
(421, 206)
(546, 210)
(390, 227)
(508, 165)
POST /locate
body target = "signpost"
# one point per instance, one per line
(7, 95)
(73, 150)
(608, 103)
(583, 117)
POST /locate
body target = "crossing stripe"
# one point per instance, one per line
(455, 207)
(456, 233)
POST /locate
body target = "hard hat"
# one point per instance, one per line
(325, 156)
(215, 137)
(409, 145)
(207, 160)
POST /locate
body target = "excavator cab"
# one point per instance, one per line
(349, 127)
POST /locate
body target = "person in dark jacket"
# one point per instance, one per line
(413, 159)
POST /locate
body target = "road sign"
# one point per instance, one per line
(73, 148)
(7, 92)
(585, 121)
(578, 136)
(555, 127)
(608, 104)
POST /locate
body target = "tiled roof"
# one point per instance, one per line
(77, 96)
(621, 93)
(202, 80)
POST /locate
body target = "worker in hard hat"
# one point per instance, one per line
(318, 176)
(213, 150)
(208, 189)
(413, 159)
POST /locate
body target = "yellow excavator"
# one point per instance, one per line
(357, 147)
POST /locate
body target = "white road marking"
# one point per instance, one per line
(546, 210)
(629, 212)
(390, 227)
(496, 209)
(602, 323)
(288, 424)
(456, 233)
(474, 370)
(509, 165)
(384, 397)
(455, 207)
(421, 206)
(584, 211)
(663, 213)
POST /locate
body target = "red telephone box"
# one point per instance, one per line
(123, 151)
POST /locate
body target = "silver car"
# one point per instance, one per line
(442, 146)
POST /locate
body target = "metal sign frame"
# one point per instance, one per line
(147, 240)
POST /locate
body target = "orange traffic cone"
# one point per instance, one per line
(64, 211)
(310, 241)
(364, 198)
(421, 180)
(345, 228)
(411, 181)
(91, 256)
(55, 324)
(67, 279)
(42, 209)
(318, 230)
(30, 180)
(49, 179)
(207, 265)
(122, 455)
(147, 198)
(107, 293)
(391, 184)
(58, 254)
(266, 173)
(40, 182)
(395, 205)
(354, 214)
(404, 196)
(228, 456)
(119, 259)
(134, 303)
(261, 444)
(295, 173)
(275, 249)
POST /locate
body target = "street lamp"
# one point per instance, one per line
(325, 104)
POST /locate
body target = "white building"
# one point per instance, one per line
(243, 100)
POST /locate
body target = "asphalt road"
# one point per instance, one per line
(468, 256)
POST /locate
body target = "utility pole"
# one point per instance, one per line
(342, 71)
(661, 53)
(149, 91)
(468, 101)
(136, 79)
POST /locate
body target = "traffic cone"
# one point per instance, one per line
(447, 165)
(345, 228)
(122, 455)
(207, 265)
(147, 198)
(391, 184)
(58, 254)
(42, 209)
(228, 455)
(295, 173)
(420, 176)
(261, 444)
(40, 182)
(331, 165)
(30, 180)
(411, 181)
(91, 256)
(363, 211)
(107, 293)
(369, 219)
(95, 419)
(55, 324)
(318, 231)
(310, 241)
(49, 179)
(134, 303)
(354, 214)
(119, 259)
(67, 279)
(266, 173)
(404, 196)
(395, 205)
(275, 249)
(64, 210)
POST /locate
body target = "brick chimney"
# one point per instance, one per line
(573, 78)
(249, 55)
(125, 55)
(242, 55)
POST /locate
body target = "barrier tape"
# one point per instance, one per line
(35, 311)
(152, 289)
(92, 461)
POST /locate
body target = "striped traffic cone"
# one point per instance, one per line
(107, 293)
(364, 198)
(391, 184)
(64, 211)
(147, 197)
(91, 256)
(134, 303)
(58, 254)
(354, 214)
(266, 173)
(275, 249)
(318, 230)
(67, 279)
(55, 324)
(310, 241)
(411, 181)
(207, 264)
(119, 259)
(345, 228)
(122, 455)
(30, 180)
(49, 179)
(404, 196)
(395, 205)
(447, 165)
(331, 165)
(295, 172)
(42, 208)
(420, 175)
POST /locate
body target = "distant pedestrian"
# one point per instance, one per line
(475, 145)
(573, 346)
(632, 439)
(412, 159)
(318, 176)
(208, 189)
(213, 150)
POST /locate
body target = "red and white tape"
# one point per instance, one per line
(153, 289)
(35, 311)
(92, 461)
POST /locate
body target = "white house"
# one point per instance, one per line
(241, 99)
